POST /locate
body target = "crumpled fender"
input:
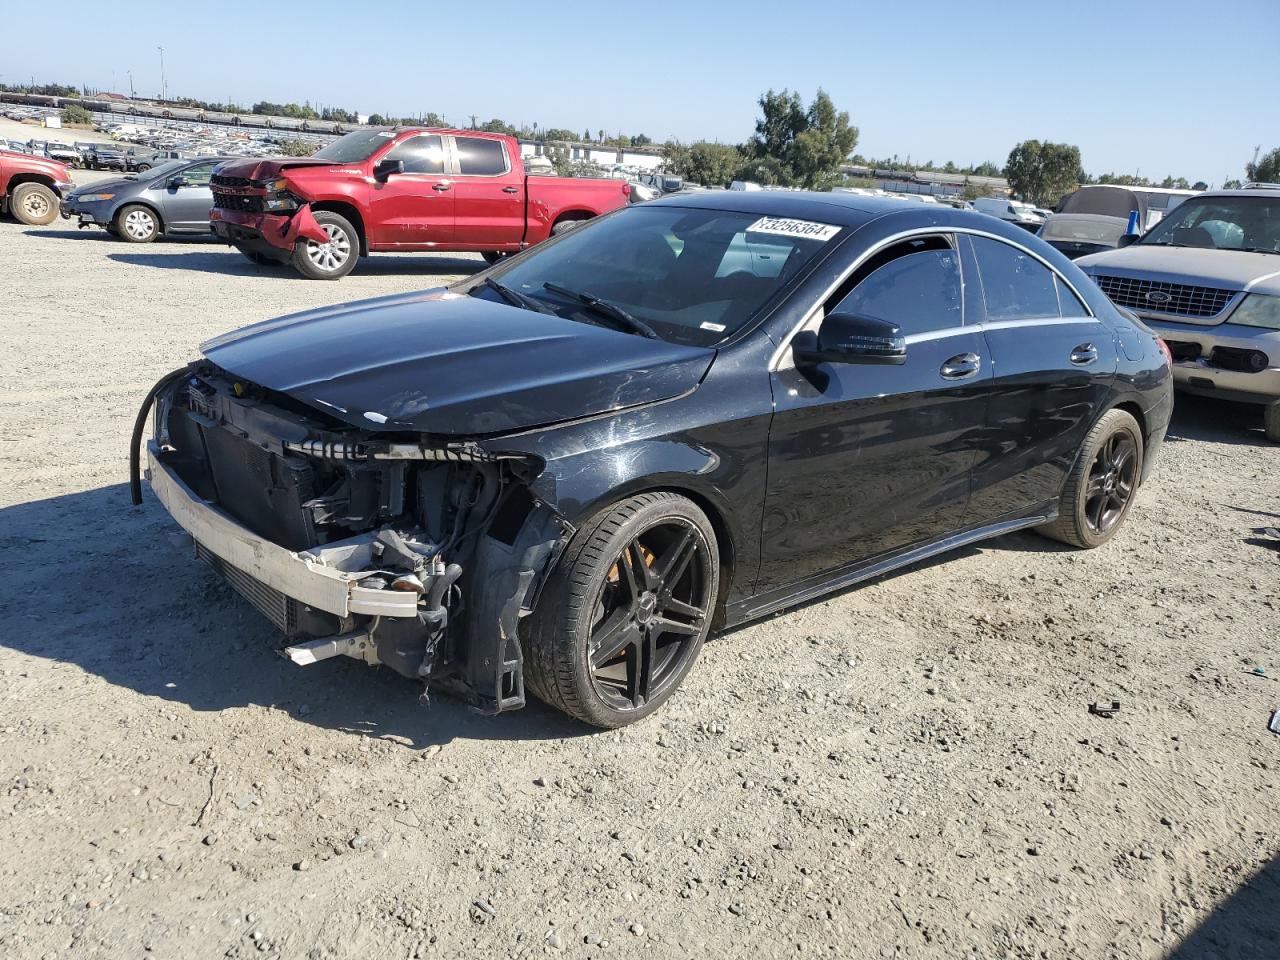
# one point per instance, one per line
(301, 224)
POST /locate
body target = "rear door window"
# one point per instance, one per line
(1015, 285)
(480, 158)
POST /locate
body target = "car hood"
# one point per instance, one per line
(107, 186)
(265, 168)
(1225, 269)
(440, 363)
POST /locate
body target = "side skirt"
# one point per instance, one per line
(753, 608)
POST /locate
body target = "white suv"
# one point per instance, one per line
(1206, 278)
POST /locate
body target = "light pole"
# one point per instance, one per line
(131, 93)
(164, 90)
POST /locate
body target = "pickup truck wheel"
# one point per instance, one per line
(625, 613)
(137, 224)
(142, 168)
(331, 260)
(564, 226)
(33, 204)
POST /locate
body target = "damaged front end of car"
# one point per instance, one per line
(401, 549)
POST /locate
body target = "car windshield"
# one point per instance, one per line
(694, 276)
(1221, 223)
(354, 147)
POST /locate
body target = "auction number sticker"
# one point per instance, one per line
(786, 227)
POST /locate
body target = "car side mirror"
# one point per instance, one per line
(385, 168)
(178, 181)
(848, 338)
(1128, 239)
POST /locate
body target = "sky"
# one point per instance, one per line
(1156, 88)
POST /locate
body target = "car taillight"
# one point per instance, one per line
(1164, 348)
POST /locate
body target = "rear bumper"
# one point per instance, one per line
(1206, 360)
(325, 578)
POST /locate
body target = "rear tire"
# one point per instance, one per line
(1271, 421)
(624, 615)
(137, 224)
(33, 204)
(1100, 489)
(332, 260)
(564, 226)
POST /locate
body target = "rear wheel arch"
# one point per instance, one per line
(567, 219)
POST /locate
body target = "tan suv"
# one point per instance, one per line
(1206, 278)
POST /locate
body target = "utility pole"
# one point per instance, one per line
(473, 121)
(164, 89)
(131, 93)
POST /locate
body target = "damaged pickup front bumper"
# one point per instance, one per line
(325, 578)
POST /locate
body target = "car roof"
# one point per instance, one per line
(1271, 192)
(841, 209)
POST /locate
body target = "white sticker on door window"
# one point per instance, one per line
(786, 227)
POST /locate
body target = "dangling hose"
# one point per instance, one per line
(135, 456)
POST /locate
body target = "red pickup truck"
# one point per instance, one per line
(31, 187)
(397, 190)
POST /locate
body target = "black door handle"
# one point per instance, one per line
(443, 186)
(1084, 354)
(961, 367)
(510, 189)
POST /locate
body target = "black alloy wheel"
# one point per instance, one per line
(624, 615)
(1098, 493)
(652, 607)
(1112, 479)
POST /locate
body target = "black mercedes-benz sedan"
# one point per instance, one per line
(564, 471)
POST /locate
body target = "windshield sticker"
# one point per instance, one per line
(713, 327)
(786, 227)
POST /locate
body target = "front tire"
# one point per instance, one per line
(1271, 421)
(334, 259)
(137, 224)
(1101, 486)
(33, 204)
(626, 611)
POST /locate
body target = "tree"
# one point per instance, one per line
(1175, 183)
(377, 119)
(296, 148)
(1199, 185)
(793, 146)
(1231, 184)
(74, 113)
(559, 157)
(974, 190)
(499, 126)
(986, 169)
(1266, 170)
(586, 136)
(640, 140)
(1042, 172)
(716, 164)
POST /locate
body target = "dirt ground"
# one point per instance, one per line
(908, 769)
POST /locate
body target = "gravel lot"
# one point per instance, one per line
(905, 770)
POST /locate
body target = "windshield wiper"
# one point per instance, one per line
(516, 298)
(605, 308)
(1259, 250)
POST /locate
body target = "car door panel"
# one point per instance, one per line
(1051, 376)
(413, 209)
(186, 208)
(866, 459)
(490, 206)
